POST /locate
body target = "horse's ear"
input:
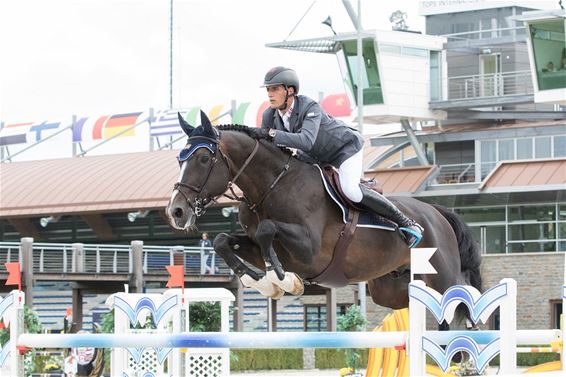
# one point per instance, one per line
(187, 128)
(205, 123)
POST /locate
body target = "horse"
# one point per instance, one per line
(292, 226)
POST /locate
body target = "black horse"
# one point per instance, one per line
(292, 225)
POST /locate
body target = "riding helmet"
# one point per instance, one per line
(282, 76)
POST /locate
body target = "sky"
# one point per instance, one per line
(84, 57)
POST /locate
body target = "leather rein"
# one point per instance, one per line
(201, 204)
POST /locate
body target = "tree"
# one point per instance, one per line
(353, 320)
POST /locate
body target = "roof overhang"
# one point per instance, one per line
(322, 45)
(482, 133)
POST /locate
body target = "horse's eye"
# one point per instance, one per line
(204, 159)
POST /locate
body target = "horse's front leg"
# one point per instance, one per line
(288, 281)
(228, 247)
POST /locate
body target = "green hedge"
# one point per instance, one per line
(265, 359)
(334, 358)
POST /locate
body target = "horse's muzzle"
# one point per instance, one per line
(180, 215)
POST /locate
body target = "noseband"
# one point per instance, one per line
(200, 203)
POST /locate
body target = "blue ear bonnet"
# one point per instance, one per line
(199, 138)
(188, 151)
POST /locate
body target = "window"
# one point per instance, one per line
(556, 311)
(506, 150)
(549, 50)
(518, 228)
(560, 146)
(524, 149)
(435, 76)
(542, 147)
(315, 316)
(371, 82)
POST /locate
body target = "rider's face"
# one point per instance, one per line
(276, 95)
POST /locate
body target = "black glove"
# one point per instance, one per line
(260, 133)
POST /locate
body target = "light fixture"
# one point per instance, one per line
(44, 221)
(328, 22)
(133, 216)
(227, 211)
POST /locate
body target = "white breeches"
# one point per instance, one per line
(350, 173)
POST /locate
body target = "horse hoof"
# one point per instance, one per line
(278, 293)
(299, 287)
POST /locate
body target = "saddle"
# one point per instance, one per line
(353, 216)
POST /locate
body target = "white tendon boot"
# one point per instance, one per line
(264, 286)
(291, 282)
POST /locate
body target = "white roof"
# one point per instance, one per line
(431, 7)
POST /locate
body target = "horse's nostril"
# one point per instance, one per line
(178, 213)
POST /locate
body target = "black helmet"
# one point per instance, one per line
(282, 76)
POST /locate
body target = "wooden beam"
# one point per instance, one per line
(99, 226)
(26, 228)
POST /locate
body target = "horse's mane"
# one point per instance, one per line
(235, 127)
(247, 130)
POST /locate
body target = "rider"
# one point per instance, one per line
(296, 121)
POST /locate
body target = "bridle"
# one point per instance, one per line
(202, 203)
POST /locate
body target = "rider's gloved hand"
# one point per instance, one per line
(260, 133)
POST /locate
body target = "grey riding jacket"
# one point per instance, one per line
(324, 139)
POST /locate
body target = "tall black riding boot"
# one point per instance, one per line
(382, 206)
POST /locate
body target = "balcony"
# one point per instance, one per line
(486, 90)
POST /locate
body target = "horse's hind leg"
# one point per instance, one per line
(228, 246)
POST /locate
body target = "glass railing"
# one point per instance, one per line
(491, 85)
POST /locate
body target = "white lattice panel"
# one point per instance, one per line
(207, 363)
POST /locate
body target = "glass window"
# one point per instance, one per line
(543, 231)
(370, 77)
(506, 150)
(315, 318)
(531, 247)
(412, 51)
(481, 215)
(542, 147)
(549, 49)
(488, 151)
(560, 146)
(435, 76)
(391, 49)
(524, 149)
(532, 213)
(495, 239)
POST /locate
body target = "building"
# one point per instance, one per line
(492, 142)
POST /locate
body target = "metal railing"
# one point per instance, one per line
(456, 173)
(60, 258)
(491, 85)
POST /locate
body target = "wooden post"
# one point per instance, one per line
(26, 257)
(137, 266)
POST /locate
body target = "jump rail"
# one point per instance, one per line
(270, 340)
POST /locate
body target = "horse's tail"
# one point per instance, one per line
(470, 256)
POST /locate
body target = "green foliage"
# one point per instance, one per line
(333, 358)
(266, 359)
(31, 326)
(204, 316)
(353, 320)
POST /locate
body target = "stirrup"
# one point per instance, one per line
(416, 235)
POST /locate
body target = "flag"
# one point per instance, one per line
(14, 274)
(44, 126)
(167, 123)
(14, 133)
(420, 263)
(337, 105)
(260, 110)
(119, 123)
(177, 276)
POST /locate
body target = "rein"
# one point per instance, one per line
(200, 204)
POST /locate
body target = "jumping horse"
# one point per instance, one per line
(292, 225)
